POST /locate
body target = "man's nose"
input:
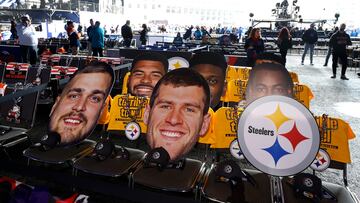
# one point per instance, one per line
(80, 105)
(174, 117)
(146, 79)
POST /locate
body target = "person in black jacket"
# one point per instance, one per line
(126, 33)
(254, 45)
(188, 33)
(338, 42)
(143, 34)
(330, 48)
(88, 31)
(310, 37)
(284, 42)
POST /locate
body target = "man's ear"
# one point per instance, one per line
(205, 124)
(55, 105)
(146, 114)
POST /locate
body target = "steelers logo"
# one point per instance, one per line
(321, 162)
(235, 150)
(228, 169)
(132, 130)
(156, 155)
(45, 137)
(308, 182)
(99, 146)
(278, 135)
(177, 62)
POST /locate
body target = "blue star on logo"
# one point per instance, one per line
(317, 164)
(276, 151)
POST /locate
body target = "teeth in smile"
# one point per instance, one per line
(145, 89)
(171, 134)
(72, 121)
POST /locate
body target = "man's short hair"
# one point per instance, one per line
(151, 56)
(212, 58)
(96, 67)
(183, 77)
(268, 57)
(271, 67)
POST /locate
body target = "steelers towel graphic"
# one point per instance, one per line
(278, 135)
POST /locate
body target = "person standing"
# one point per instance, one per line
(88, 31)
(310, 37)
(330, 48)
(197, 33)
(126, 33)
(97, 40)
(143, 34)
(284, 42)
(13, 31)
(27, 40)
(188, 33)
(254, 46)
(338, 42)
(73, 37)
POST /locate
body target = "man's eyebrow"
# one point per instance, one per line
(99, 92)
(79, 90)
(162, 101)
(157, 71)
(193, 105)
(138, 70)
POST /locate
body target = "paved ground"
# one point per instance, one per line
(337, 98)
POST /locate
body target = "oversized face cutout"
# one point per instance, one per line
(76, 112)
(176, 119)
(266, 83)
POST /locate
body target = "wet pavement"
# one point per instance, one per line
(337, 98)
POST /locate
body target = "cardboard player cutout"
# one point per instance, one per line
(178, 112)
(76, 111)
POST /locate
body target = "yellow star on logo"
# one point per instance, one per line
(278, 118)
(177, 65)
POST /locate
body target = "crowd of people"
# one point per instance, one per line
(254, 44)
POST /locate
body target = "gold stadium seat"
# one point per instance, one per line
(303, 94)
(119, 115)
(225, 128)
(125, 81)
(235, 91)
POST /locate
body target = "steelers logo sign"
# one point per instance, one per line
(321, 162)
(177, 62)
(235, 150)
(278, 135)
(132, 130)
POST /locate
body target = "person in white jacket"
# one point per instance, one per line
(27, 40)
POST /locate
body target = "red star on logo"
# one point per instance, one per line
(294, 136)
(135, 131)
(322, 160)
